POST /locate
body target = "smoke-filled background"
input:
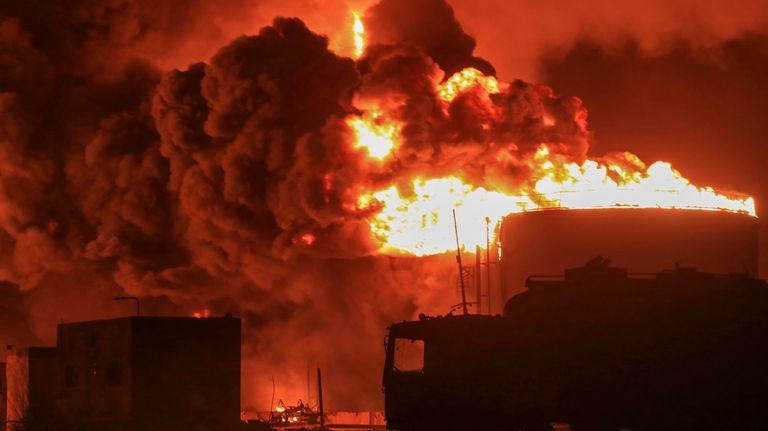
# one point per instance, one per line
(180, 150)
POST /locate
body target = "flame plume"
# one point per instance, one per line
(373, 133)
(466, 79)
(358, 31)
(415, 219)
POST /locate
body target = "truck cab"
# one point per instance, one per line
(443, 373)
(597, 348)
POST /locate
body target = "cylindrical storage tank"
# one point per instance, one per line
(638, 239)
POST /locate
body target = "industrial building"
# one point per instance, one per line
(133, 373)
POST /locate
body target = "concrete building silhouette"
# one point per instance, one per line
(138, 373)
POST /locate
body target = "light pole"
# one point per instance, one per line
(133, 298)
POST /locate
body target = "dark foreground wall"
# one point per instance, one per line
(150, 372)
(642, 240)
(187, 371)
(95, 370)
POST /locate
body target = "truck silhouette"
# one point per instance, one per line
(598, 349)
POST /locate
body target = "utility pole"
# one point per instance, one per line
(461, 269)
(488, 261)
(320, 398)
(478, 280)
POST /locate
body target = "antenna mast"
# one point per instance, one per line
(461, 268)
(488, 260)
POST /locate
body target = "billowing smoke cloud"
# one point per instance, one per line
(193, 188)
(13, 317)
(515, 35)
(231, 185)
(260, 156)
(429, 25)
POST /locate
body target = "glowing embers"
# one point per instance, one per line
(201, 314)
(307, 239)
(375, 133)
(464, 80)
(358, 35)
(594, 184)
(420, 222)
(300, 414)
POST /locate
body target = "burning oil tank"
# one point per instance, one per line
(644, 239)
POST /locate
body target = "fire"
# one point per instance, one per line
(358, 32)
(375, 134)
(464, 80)
(416, 216)
(201, 314)
(603, 185)
(420, 222)
(308, 239)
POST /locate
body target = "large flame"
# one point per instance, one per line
(466, 79)
(375, 133)
(416, 218)
(358, 34)
(421, 222)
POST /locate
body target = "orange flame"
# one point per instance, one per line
(419, 221)
(374, 133)
(201, 314)
(358, 32)
(602, 185)
(308, 239)
(466, 79)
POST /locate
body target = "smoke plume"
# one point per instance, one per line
(515, 35)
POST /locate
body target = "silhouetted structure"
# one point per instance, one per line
(3, 391)
(148, 373)
(644, 239)
(31, 379)
(597, 348)
(130, 374)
